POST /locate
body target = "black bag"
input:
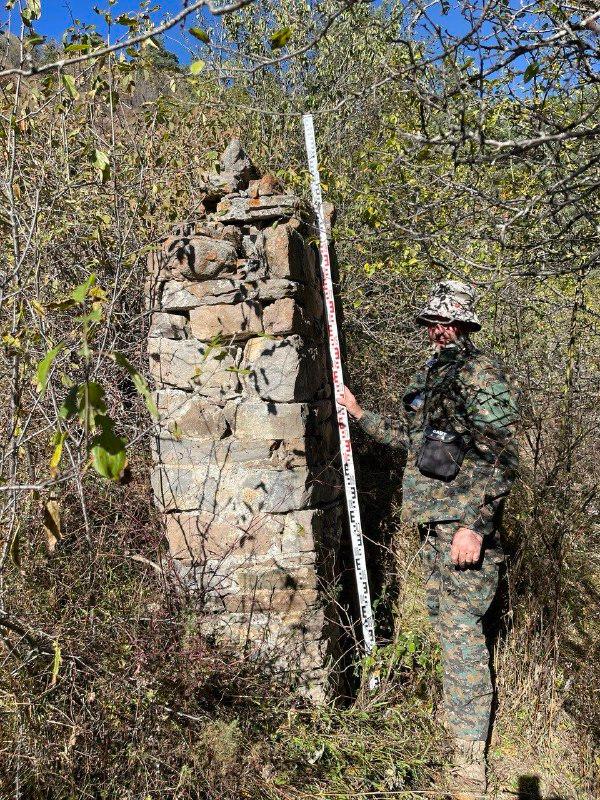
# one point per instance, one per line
(441, 454)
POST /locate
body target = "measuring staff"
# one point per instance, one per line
(358, 548)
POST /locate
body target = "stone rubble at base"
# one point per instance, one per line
(246, 447)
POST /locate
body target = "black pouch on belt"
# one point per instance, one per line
(441, 454)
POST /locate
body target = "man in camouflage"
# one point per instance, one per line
(457, 427)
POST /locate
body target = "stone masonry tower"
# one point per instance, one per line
(245, 455)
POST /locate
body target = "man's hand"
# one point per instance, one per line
(349, 401)
(466, 547)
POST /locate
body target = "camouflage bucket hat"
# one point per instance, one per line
(451, 301)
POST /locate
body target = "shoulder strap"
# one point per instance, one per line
(448, 380)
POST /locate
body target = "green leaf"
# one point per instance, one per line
(43, 369)
(101, 162)
(85, 400)
(531, 71)
(196, 67)
(98, 86)
(95, 315)
(93, 394)
(34, 39)
(200, 34)
(58, 441)
(69, 405)
(69, 84)
(80, 292)
(77, 47)
(107, 451)
(280, 38)
(138, 381)
(126, 19)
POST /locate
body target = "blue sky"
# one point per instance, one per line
(57, 15)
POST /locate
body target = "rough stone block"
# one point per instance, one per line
(217, 185)
(188, 452)
(189, 415)
(249, 246)
(276, 288)
(205, 536)
(191, 451)
(206, 227)
(183, 295)
(274, 576)
(260, 209)
(265, 186)
(283, 370)
(258, 420)
(234, 159)
(245, 491)
(284, 251)
(307, 296)
(284, 317)
(242, 490)
(233, 235)
(303, 530)
(171, 326)
(187, 488)
(189, 364)
(235, 322)
(269, 185)
(199, 257)
(290, 602)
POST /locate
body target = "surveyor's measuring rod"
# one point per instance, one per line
(358, 548)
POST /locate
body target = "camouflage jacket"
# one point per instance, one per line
(464, 391)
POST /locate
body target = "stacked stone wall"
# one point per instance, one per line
(245, 450)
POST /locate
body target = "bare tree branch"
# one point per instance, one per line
(216, 9)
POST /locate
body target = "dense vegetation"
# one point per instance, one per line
(473, 156)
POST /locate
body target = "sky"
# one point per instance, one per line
(57, 15)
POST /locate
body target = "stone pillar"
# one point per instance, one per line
(245, 454)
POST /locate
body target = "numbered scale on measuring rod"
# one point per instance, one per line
(362, 581)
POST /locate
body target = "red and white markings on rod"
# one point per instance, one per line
(358, 548)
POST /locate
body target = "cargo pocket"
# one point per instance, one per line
(474, 588)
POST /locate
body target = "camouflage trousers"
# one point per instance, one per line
(457, 600)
